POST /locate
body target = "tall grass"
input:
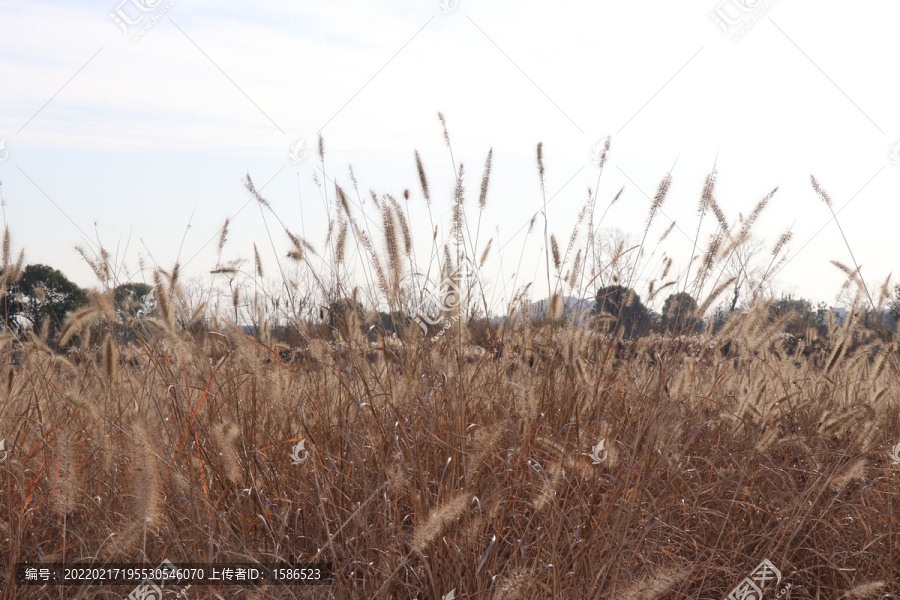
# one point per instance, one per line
(459, 461)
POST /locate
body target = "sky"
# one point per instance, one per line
(133, 123)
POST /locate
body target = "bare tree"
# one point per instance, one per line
(748, 265)
(610, 244)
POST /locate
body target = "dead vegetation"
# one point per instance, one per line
(457, 463)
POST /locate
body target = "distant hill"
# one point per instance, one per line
(575, 310)
(840, 316)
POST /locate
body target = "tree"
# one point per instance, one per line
(625, 305)
(873, 320)
(613, 263)
(893, 306)
(343, 316)
(748, 266)
(41, 296)
(387, 323)
(680, 314)
(128, 292)
(822, 312)
(128, 297)
(804, 316)
(720, 316)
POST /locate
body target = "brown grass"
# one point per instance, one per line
(437, 464)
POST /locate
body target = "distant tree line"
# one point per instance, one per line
(624, 313)
(38, 298)
(621, 308)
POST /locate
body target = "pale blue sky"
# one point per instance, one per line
(127, 140)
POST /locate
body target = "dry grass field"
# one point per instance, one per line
(461, 465)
